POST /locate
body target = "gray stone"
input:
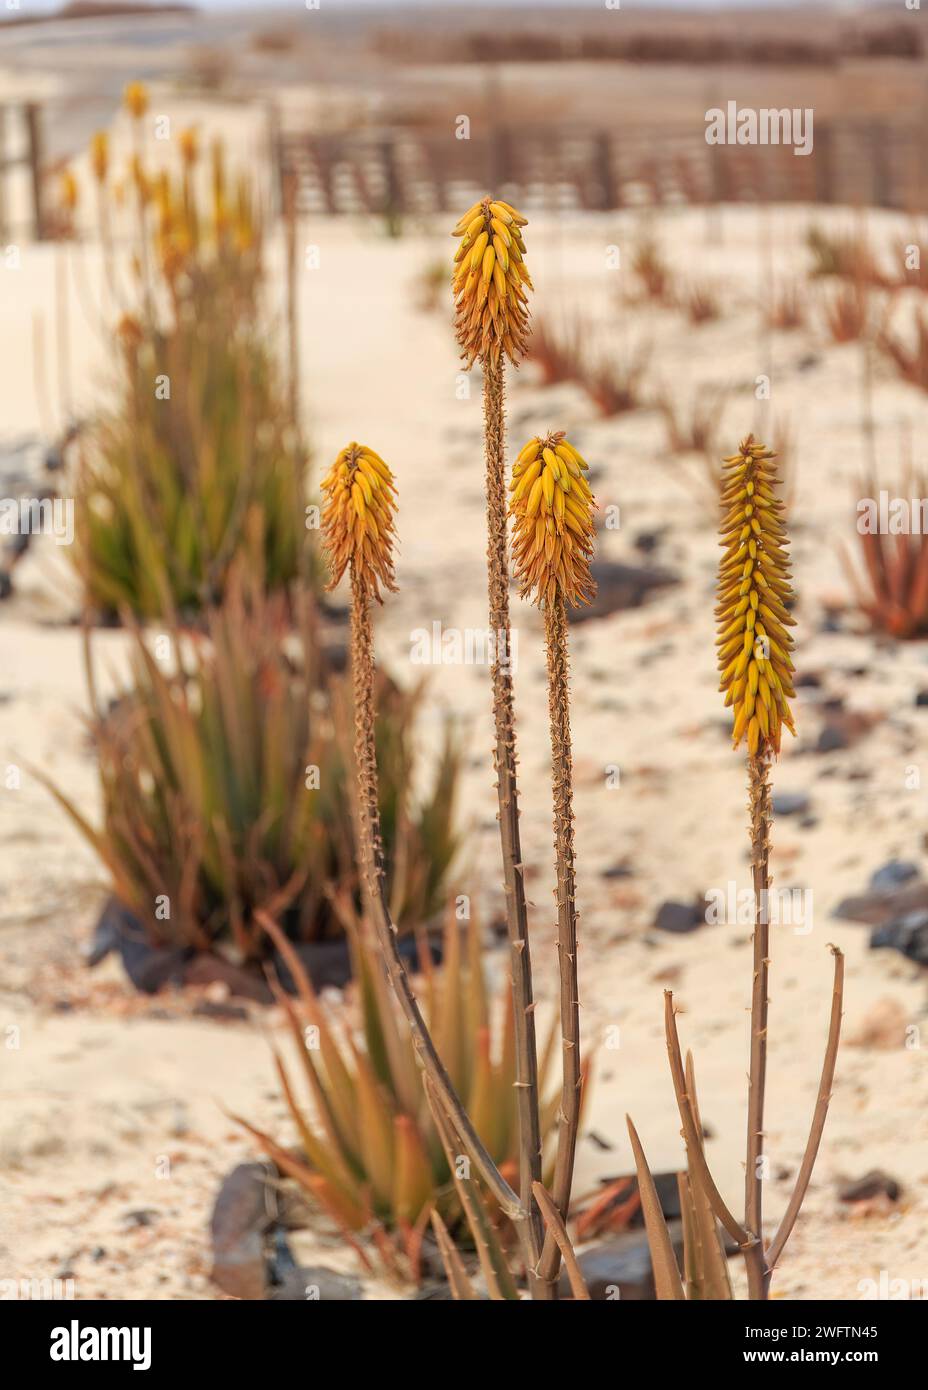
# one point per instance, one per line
(892, 875)
(622, 1266)
(908, 935)
(680, 917)
(242, 1218)
(872, 1184)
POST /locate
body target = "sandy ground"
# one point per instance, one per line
(97, 1090)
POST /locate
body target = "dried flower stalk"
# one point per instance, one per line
(755, 659)
(552, 542)
(491, 323)
(366, 551)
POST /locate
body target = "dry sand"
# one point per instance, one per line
(102, 1087)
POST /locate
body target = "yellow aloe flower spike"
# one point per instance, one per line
(358, 518)
(754, 600)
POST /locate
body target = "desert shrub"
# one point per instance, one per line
(786, 309)
(225, 788)
(701, 302)
(890, 585)
(196, 461)
(558, 349)
(909, 358)
(846, 254)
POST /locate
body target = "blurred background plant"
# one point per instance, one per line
(891, 587)
(225, 787)
(786, 308)
(847, 254)
(198, 459)
(909, 358)
(370, 1153)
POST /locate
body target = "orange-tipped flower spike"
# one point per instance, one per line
(135, 99)
(489, 282)
(358, 518)
(754, 599)
(69, 190)
(553, 506)
(100, 155)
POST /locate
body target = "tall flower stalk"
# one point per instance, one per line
(755, 646)
(491, 324)
(552, 507)
(358, 523)
(755, 660)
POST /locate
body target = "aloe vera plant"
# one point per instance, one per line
(755, 645)
(224, 785)
(374, 1154)
(197, 460)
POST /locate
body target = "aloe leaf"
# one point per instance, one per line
(667, 1281)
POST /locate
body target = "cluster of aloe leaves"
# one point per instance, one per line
(224, 784)
(377, 1155)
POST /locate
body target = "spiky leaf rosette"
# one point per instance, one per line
(358, 518)
(552, 507)
(754, 598)
(489, 283)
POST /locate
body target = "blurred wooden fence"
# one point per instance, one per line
(879, 163)
(21, 127)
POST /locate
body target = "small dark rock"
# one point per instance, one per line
(680, 917)
(808, 679)
(790, 803)
(626, 1186)
(207, 968)
(328, 963)
(892, 875)
(921, 699)
(618, 871)
(872, 1184)
(619, 587)
(142, 1216)
(908, 935)
(242, 1217)
(621, 1267)
(646, 542)
(208, 1008)
(878, 909)
(831, 738)
(148, 967)
(604, 1144)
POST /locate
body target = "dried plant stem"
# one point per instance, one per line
(362, 662)
(562, 790)
(775, 1248)
(759, 804)
(691, 1130)
(461, 1287)
(557, 1228)
(507, 790)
